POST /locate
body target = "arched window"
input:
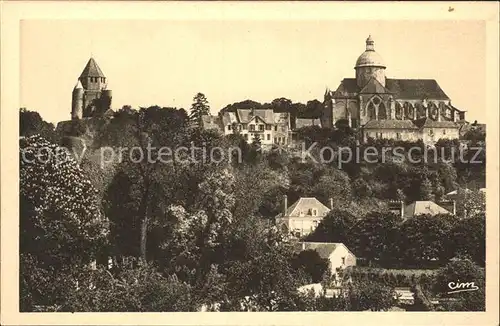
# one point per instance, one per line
(382, 114)
(399, 111)
(409, 110)
(371, 111)
(420, 110)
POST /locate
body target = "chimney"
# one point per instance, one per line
(285, 204)
(402, 209)
(331, 203)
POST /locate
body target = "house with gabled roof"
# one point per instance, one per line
(302, 217)
(265, 124)
(337, 254)
(427, 207)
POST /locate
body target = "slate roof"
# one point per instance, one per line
(416, 89)
(246, 115)
(92, 70)
(210, 122)
(374, 87)
(422, 208)
(306, 122)
(429, 123)
(305, 205)
(411, 89)
(389, 124)
(324, 249)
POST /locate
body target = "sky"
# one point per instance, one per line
(165, 63)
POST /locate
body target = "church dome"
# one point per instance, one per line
(370, 58)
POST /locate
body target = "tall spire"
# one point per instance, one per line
(92, 70)
(370, 45)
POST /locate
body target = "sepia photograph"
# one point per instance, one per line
(252, 165)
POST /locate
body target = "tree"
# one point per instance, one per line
(336, 226)
(426, 190)
(311, 262)
(469, 238)
(31, 123)
(199, 108)
(461, 271)
(366, 295)
(374, 236)
(426, 237)
(156, 179)
(59, 210)
(61, 225)
(470, 203)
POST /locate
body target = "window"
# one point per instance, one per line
(261, 127)
(343, 260)
(314, 212)
(431, 132)
(275, 128)
(228, 127)
(268, 127)
(275, 140)
(244, 126)
(398, 135)
(444, 131)
(268, 137)
(246, 136)
(252, 127)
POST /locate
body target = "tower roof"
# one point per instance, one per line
(78, 85)
(370, 57)
(92, 70)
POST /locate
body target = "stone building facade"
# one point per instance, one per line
(91, 96)
(381, 107)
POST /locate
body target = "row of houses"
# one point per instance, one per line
(268, 126)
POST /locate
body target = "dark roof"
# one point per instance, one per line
(374, 87)
(92, 70)
(411, 89)
(423, 208)
(416, 89)
(429, 123)
(389, 124)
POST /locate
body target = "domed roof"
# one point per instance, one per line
(370, 58)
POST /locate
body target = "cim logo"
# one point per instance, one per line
(458, 286)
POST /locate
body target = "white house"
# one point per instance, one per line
(302, 217)
(338, 255)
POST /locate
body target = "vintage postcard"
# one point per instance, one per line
(249, 163)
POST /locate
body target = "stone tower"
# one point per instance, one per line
(91, 97)
(370, 64)
(77, 101)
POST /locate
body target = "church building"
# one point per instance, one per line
(380, 107)
(91, 96)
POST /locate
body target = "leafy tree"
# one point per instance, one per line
(374, 235)
(426, 237)
(464, 271)
(59, 211)
(199, 108)
(426, 190)
(154, 176)
(469, 238)
(470, 203)
(366, 295)
(61, 225)
(31, 123)
(311, 262)
(335, 227)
